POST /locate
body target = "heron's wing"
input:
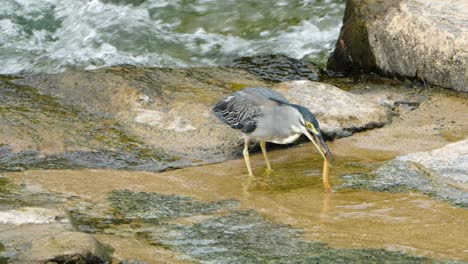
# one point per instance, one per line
(265, 93)
(242, 109)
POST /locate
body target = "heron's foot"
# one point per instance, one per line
(328, 189)
(268, 171)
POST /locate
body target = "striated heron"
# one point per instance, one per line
(265, 115)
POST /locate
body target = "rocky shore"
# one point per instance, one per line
(127, 164)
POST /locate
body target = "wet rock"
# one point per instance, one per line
(37, 131)
(340, 113)
(278, 68)
(16, 199)
(76, 259)
(31, 215)
(128, 206)
(157, 207)
(228, 237)
(126, 117)
(396, 101)
(140, 159)
(133, 261)
(413, 38)
(146, 118)
(67, 247)
(247, 237)
(442, 173)
(34, 230)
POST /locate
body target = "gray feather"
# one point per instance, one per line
(242, 109)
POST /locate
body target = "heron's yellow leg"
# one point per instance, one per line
(246, 156)
(326, 172)
(263, 147)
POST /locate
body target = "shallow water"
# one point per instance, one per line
(292, 195)
(54, 35)
(206, 213)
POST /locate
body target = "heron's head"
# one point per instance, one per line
(311, 129)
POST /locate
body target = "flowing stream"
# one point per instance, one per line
(54, 35)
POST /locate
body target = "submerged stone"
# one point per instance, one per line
(278, 68)
(442, 173)
(247, 237)
(67, 247)
(14, 196)
(157, 207)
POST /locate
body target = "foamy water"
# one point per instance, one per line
(54, 35)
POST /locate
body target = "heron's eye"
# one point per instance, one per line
(311, 126)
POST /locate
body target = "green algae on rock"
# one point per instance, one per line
(14, 196)
(247, 237)
(158, 207)
(150, 118)
(130, 208)
(38, 131)
(234, 237)
(167, 109)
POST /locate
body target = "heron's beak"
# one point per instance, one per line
(320, 144)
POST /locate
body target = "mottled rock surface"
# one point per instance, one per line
(340, 113)
(120, 117)
(442, 173)
(34, 229)
(67, 247)
(412, 38)
(31, 215)
(146, 118)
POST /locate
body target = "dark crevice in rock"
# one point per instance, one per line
(76, 259)
(278, 68)
(101, 159)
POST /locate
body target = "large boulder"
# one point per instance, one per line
(426, 39)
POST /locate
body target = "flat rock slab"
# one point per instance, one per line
(234, 236)
(340, 113)
(119, 117)
(426, 39)
(31, 215)
(67, 247)
(449, 164)
(147, 118)
(442, 173)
